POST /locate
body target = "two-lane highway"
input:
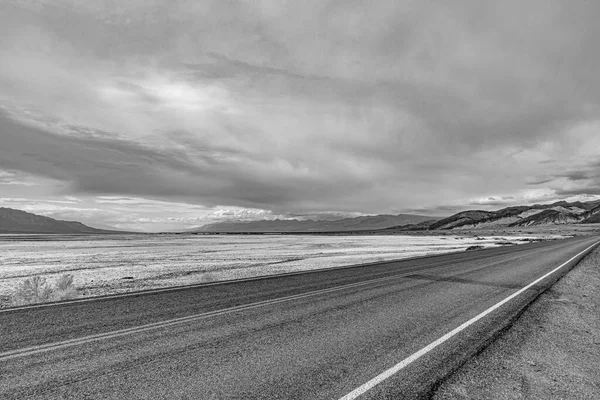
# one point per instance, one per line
(386, 330)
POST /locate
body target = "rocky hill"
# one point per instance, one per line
(538, 214)
(592, 216)
(17, 221)
(462, 219)
(371, 222)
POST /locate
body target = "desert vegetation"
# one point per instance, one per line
(37, 289)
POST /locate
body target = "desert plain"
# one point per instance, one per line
(110, 264)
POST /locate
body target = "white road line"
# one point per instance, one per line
(177, 321)
(407, 361)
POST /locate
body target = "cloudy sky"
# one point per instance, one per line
(163, 114)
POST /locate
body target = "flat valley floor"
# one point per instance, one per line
(108, 264)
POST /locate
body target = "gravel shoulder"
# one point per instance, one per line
(552, 351)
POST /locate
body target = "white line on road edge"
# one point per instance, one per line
(18, 353)
(404, 363)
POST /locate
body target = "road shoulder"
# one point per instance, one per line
(551, 352)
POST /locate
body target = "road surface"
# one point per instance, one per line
(387, 330)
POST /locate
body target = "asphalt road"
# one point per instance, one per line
(308, 336)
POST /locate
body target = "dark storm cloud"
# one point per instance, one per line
(582, 182)
(570, 176)
(575, 175)
(539, 180)
(101, 166)
(587, 191)
(80, 160)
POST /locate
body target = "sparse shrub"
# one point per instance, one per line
(32, 290)
(208, 277)
(38, 290)
(63, 288)
(471, 248)
(64, 282)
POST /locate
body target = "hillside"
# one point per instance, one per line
(462, 218)
(592, 216)
(538, 214)
(294, 225)
(17, 221)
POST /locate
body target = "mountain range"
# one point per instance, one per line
(562, 212)
(369, 222)
(17, 221)
(557, 213)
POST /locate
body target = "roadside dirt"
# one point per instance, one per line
(551, 352)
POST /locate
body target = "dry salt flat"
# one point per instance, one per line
(113, 264)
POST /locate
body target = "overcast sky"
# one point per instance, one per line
(168, 114)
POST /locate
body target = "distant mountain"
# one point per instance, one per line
(557, 213)
(421, 226)
(17, 221)
(371, 222)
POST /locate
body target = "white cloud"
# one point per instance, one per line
(264, 110)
